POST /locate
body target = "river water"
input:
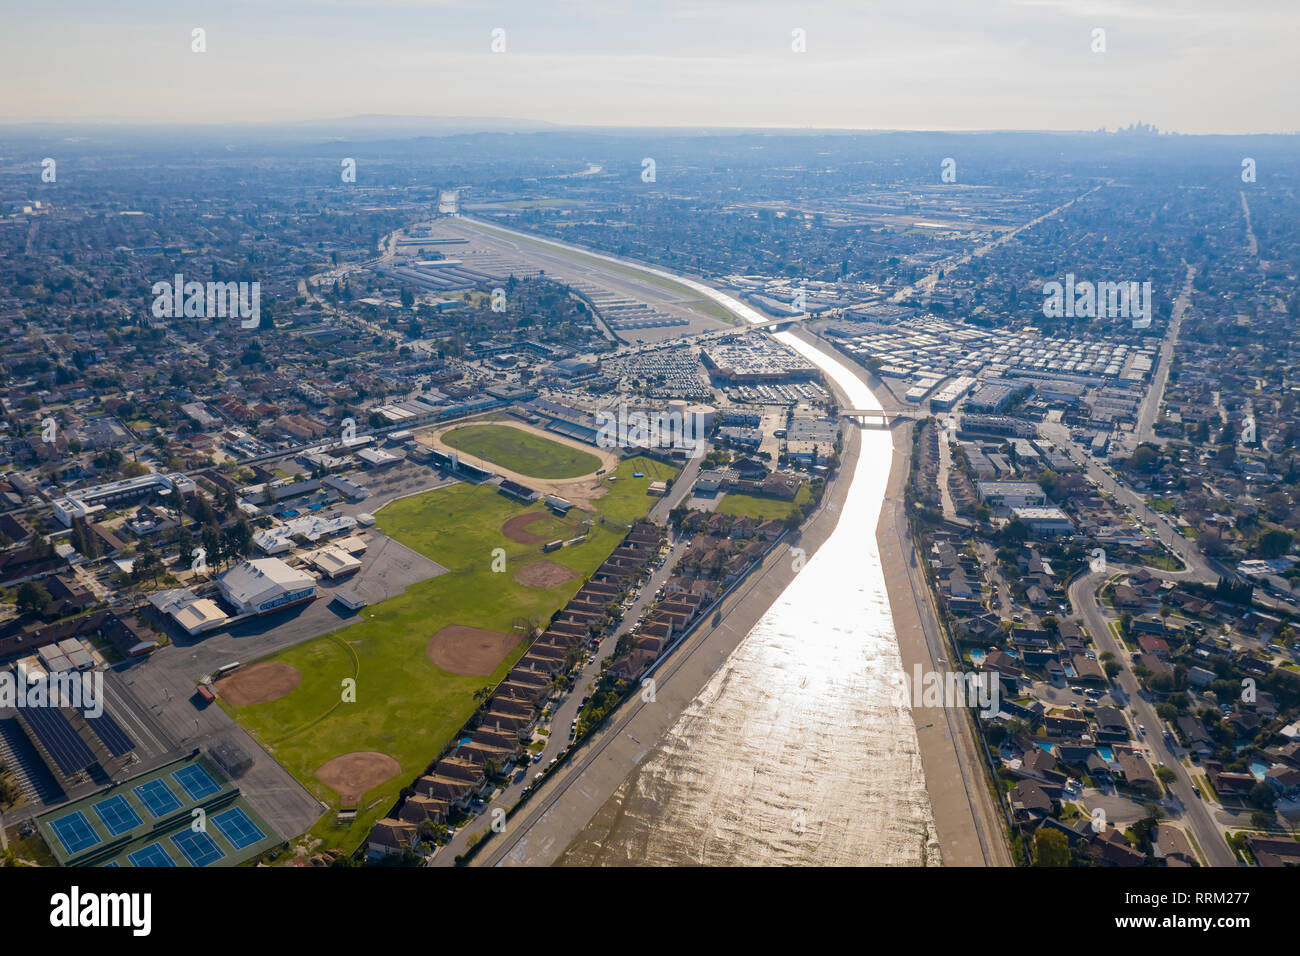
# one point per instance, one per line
(798, 751)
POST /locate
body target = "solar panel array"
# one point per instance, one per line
(59, 738)
(111, 733)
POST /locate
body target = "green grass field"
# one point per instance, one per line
(405, 706)
(522, 451)
(740, 504)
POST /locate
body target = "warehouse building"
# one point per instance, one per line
(1045, 521)
(1011, 494)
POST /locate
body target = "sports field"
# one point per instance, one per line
(522, 451)
(406, 706)
(741, 504)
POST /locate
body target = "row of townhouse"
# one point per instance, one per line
(709, 565)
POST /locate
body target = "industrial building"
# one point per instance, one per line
(756, 360)
(1045, 521)
(1011, 494)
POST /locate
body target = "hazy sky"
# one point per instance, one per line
(1195, 66)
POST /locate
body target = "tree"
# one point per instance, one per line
(210, 537)
(185, 545)
(1051, 848)
(41, 547)
(32, 598)
(147, 564)
(1262, 795)
(1273, 543)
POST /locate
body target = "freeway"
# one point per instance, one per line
(1194, 810)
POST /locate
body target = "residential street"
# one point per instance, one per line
(1196, 813)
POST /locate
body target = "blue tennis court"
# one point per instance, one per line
(199, 848)
(152, 855)
(238, 828)
(75, 832)
(196, 781)
(110, 863)
(157, 798)
(117, 815)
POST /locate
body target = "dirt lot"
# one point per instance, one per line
(355, 773)
(544, 575)
(468, 650)
(534, 528)
(259, 683)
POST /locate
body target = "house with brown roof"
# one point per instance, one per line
(1170, 846)
(454, 792)
(389, 836)
(1274, 852)
(1111, 848)
(416, 809)
(632, 664)
(1029, 801)
(1136, 772)
(1127, 597)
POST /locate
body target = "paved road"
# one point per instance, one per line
(1195, 812)
(1150, 408)
(927, 283)
(1202, 568)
